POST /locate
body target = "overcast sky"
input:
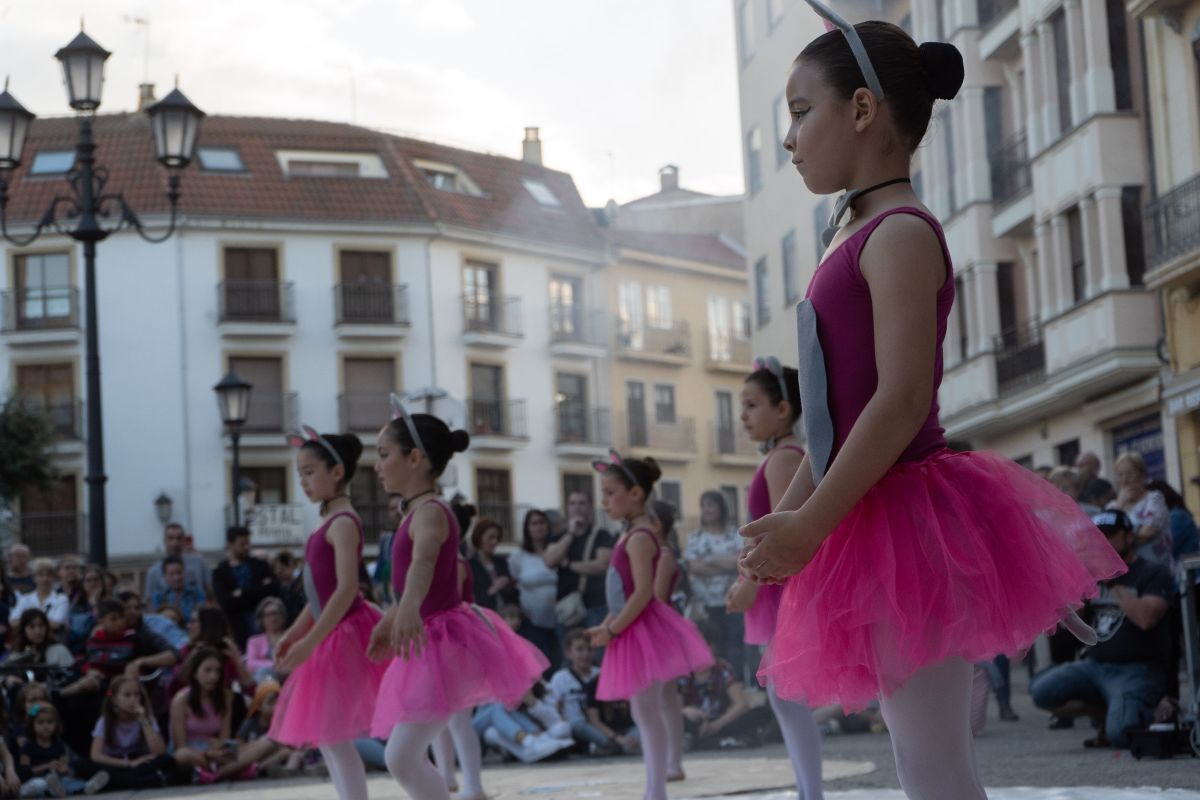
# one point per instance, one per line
(618, 87)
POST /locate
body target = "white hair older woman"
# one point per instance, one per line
(1147, 509)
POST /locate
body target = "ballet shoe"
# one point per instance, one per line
(674, 777)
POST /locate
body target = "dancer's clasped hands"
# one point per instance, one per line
(778, 546)
(401, 633)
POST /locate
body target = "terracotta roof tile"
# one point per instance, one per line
(706, 249)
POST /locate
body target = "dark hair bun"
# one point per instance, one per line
(653, 468)
(942, 65)
(459, 441)
(348, 444)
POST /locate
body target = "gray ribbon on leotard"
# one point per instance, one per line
(614, 591)
(310, 592)
(814, 391)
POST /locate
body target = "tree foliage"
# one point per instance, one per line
(26, 447)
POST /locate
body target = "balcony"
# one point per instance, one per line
(1020, 358)
(1009, 164)
(665, 441)
(667, 345)
(581, 431)
(578, 332)
(40, 316)
(363, 412)
(1000, 26)
(1172, 226)
(255, 309)
(492, 322)
(370, 311)
(731, 447)
(496, 424)
(51, 533)
(1172, 11)
(728, 353)
(271, 415)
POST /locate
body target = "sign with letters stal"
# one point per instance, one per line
(277, 525)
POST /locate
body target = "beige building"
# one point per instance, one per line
(1037, 171)
(681, 353)
(1171, 33)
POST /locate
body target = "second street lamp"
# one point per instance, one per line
(86, 206)
(233, 399)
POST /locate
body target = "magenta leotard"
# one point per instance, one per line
(320, 561)
(443, 590)
(760, 617)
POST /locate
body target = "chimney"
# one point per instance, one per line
(531, 148)
(145, 95)
(668, 177)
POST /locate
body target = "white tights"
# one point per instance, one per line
(803, 741)
(346, 770)
(929, 719)
(406, 759)
(672, 705)
(459, 736)
(647, 710)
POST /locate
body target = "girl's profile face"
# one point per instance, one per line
(619, 501)
(821, 128)
(761, 418)
(318, 481)
(395, 468)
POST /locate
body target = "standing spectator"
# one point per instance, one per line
(44, 596)
(20, 577)
(1126, 670)
(195, 570)
(70, 579)
(177, 592)
(581, 556)
(382, 577)
(291, 584)
(711, 559)
(260, 648)
(1147, 509)
(1096, 490)
(240, 583)
(1185, 538)
(537, 587)
(494, 585)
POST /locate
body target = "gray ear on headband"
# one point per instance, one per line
(856, 45)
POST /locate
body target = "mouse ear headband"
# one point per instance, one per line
(400, 412)
(307, 434)
(834, 20)
(771, 364)
(615, 460)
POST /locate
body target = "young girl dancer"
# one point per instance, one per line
(449, 656)
(647, 643)
(917, 561)
(329, 695)
(770, 411)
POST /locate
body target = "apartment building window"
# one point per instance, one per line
(578, 482)
(1006, 291)
(783, 121)
(487, 399)
(304, 168)
(493, 493)
(664, 404)
(1118, 48)
(947, 120)
(754, 159)
(820, 214)
(761, 292)
(481, 296)
(724, 419)
(570, 400)
(251, 291)
(541, 192)
(1079, 287)
(366, 286)
(993, 129)
(50, 521)
(44, 296)
(791, 278)
(220, 159)
(960, 303)
(566, 298)
(774, 13)
(732, 503)
(1067, 452)
(52, 162)
(371, 504)
(267, 410)
(629, 311)
(635, 412)
(671, 492)
(741, 321)
(368, 383)
(658, 307)
(1131, 225)
(51, 389)
(270, 484)
(1062, 70)
(720, 346)
(745, 26)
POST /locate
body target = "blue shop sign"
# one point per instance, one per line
(1144, 437)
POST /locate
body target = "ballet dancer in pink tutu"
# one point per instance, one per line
(329, 696)
(646, 643)
(905, 562)
(445, 656)
(770, 411)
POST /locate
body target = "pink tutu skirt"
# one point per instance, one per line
(472, 657)
(660, 645)
(331, 696)
(760, 617)
(961, 555)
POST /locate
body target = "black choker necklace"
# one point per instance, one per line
(406, 504)
(846, 202)
(769, 444)
(324, 509)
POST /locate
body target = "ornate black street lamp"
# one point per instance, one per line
(84, 212)
(233, 398)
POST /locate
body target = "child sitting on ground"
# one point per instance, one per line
(44, 765)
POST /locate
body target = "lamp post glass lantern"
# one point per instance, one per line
(233, 399)
(162, 507)
(93, 213)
